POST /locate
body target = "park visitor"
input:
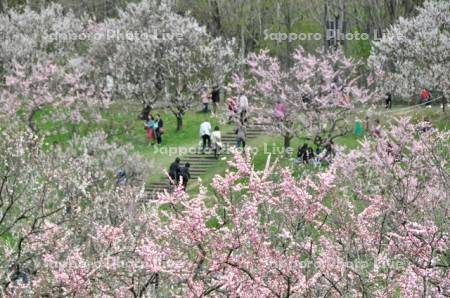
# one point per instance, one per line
(121, 177)
(376, 132)
(159, 131)
(216, 140)
(215, 96)
(280, 110)
(241, 133)
(243, 105)
(388, 100)
(205, 101)
(232, 107)
(150, 126)
(174, 171)
(109, 87)
(329, 151)
(205, 134)
(425, 96)
(302, 153)
(185, 174)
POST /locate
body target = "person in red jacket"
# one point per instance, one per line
(425, 96)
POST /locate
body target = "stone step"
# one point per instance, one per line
(201, 163)
(199, 167)
(205, 156)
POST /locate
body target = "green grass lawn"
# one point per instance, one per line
(120, 121)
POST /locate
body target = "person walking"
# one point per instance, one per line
(302, 153)
(241, 133)
(109, 87)
(389, 100)
(174, 171)
(150, 127)
(185, 174)
(425, 96)
(215, 96)
(280, 110)
(159, 131)
(376, 132)
(243, 106)
(216, 140)
(232, 107)
(205, 134)
(329, 151)
(205, 101)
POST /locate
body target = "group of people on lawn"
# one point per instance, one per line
(307, 155)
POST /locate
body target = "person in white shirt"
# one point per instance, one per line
(216, 140)
(243, 105)
(109, 87)
(205, 134)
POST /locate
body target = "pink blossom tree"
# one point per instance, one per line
(397, 206)
(63, 215)
(261, 232)
(32, 87)
(332, 233)
(319, 93)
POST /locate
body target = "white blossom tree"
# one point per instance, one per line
(29, 35)
(415, 53)
(156, 55)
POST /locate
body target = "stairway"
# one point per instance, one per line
(201, 163)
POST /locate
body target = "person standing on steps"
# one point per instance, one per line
(205, 101)
(241, 133)
(185, 174)
(205, 134)
(243, 106)
(232, 108)
(216, 140)
(159, 129)
(174, 171)
(215, 96)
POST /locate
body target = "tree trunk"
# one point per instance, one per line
(145, 112)
(444, 103)
(344, 24)
(179, 122)
(325, 25)
(31, 123)
(216, 19)
(287, 141)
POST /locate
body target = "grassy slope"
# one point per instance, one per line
(121, 121)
